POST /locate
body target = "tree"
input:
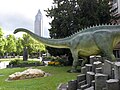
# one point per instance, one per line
(11, 44)
(26, 40)
(2, 43)
(19, 46)
(65, 18)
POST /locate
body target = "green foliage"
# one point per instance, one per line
(15, 62)
(11, 44)
(21, 63)
(2, 43)
(19, 46)
(32, 45)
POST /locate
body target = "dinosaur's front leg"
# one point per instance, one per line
(85, 61)
(75, 60)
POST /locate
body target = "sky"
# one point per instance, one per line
(21, 13)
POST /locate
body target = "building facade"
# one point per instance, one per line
(38, 24)
(116, 3)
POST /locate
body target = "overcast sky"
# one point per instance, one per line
(21, 13)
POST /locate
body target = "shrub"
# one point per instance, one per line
(21, 63)
(14, 62)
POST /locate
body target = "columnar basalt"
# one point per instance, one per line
(107, 77)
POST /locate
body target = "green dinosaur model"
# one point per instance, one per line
(91, 41)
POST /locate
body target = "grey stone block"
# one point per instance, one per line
(107, 69)
(112, 84)
(72, 85)
(88, 67)
(98, 70)
(97, 64)
(113, 75)
(62, 87)
(81, 77)
(95, 59)
(90, 88)
(93, 84)
(83, 70)
(90, 77)
(117, 70)
(100, 81)
(83, 87)
(80, 84)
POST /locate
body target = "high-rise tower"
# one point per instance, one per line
(38, 24)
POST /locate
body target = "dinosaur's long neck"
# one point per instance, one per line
(57, 43)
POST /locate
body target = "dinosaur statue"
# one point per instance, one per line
(90, 41)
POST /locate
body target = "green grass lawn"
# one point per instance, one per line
(59, 75)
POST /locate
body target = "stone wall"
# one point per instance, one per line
(96, 76)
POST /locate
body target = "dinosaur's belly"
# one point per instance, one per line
(89, 51)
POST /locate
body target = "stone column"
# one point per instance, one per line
(93, 59)
(98, 70)
(107, 69)
(100, 81)
(81, 80)
(83, 70)
(97, 64)
(90, 77)
(88, 67)
(117, 70)
(112, 84)
(81, 77)
(72, 85)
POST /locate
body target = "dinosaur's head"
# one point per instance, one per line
(15, 31)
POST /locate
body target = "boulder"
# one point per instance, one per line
(29, 73)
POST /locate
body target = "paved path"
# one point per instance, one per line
(4, 64)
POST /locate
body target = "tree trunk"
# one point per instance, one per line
(25, 54)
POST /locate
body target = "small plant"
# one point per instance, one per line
(54, 63)
(57, 61)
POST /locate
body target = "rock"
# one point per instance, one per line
(29, 73)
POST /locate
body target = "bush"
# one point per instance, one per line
(21, 63)
(15, 62)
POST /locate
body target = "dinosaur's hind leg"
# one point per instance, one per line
(85, 61)
(75, 60)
